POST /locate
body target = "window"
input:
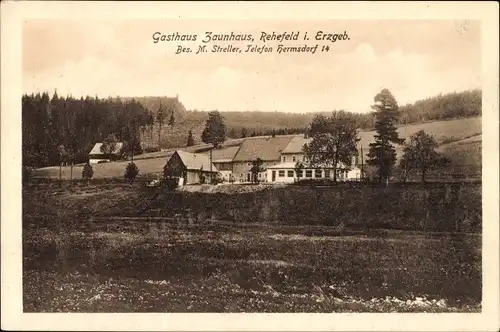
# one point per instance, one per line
(309, 173)
(299, 174)
(318, 173)
(293, 158)
(281, 174)
(327, 173)
(290, 174)
(284, 158)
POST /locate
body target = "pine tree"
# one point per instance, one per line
(382, 153)
(190, 139)
(131, 172)
(160, 119)
(215, 130)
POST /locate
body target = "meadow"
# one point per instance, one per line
(104, 248)
(144, 267)
(447, 133)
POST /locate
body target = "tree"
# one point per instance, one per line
(87, 172)
(109, 146)
(215, 130)
(419, 153)
(382, 153)
(256, 169)
(334, 141)
(190, 139)
(61, 150)
(131, 147)
(243, 133)
(171, 121)
(299, 166)
(214, 133)
(131, 172)
(160, 119)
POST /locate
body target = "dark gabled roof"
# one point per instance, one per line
(265, 148)
(196, 162)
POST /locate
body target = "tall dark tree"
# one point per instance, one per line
(215, 130)
(243, 133)
(382, 153)
(334, 141)
(214, 133)
(160, 120)
(190, 139)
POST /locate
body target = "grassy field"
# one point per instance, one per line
(79, 257)
(148, 267)
(452, 131)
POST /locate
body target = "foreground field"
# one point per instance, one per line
(114, 247)
(158, 267)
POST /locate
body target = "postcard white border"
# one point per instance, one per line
(14, 13)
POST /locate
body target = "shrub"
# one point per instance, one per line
(131, 172)
(87, 172)
(170, 183)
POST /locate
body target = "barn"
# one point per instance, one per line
(192, 168)
(96, 156)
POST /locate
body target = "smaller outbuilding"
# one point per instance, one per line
(97, 156)
(191, 168)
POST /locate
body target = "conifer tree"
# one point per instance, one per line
(382, 153)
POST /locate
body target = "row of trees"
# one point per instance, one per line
(335, 138)
(335, 141)
(63, 130)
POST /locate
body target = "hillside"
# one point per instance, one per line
(443, 107)
(459, 139)
(444, 131)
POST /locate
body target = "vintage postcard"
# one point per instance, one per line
(250, 166)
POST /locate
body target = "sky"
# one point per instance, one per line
(413, 59)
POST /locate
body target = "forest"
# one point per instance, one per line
(53, 125)
(74, 125)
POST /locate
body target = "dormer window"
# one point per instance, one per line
(293, 158)
(284, 158)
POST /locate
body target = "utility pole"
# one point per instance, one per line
(211, 180)
(362, 165)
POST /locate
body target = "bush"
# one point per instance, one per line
(171, 183)
(87, 172)
(131, 172)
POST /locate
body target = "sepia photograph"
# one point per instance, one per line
(202, 165)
